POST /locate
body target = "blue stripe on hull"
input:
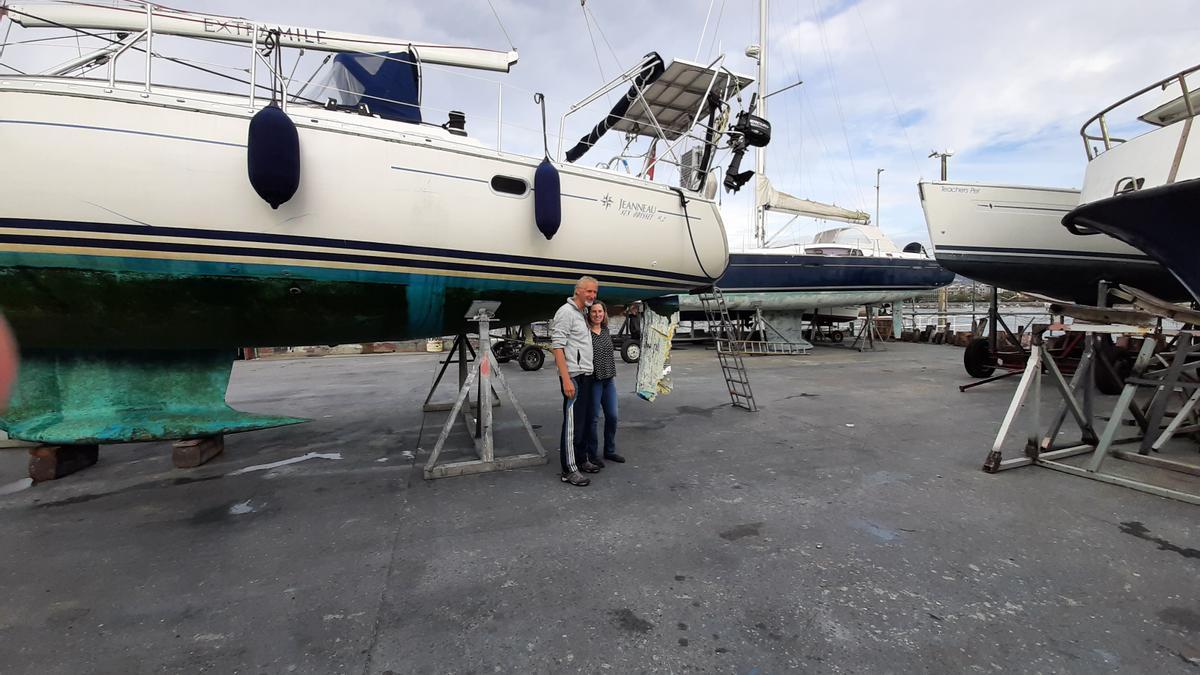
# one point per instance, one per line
(1058, 253)
(468, 260)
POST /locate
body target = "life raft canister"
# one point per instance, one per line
(547, 198)
(273, 155)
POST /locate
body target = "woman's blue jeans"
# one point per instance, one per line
(604, 396)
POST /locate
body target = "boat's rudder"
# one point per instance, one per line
(80, 397)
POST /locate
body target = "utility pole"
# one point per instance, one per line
(877, 172)
(943, 155)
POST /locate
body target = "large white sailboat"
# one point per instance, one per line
(147, 229)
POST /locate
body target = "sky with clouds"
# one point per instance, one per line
(1005, 85)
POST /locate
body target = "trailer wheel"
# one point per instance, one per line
(631, 352)
(836, 337)
(531, 357)
(978, 360)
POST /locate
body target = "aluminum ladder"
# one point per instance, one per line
(728, 349)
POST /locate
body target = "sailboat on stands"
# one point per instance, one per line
(842, 268)
(1012, 237)
(1142, 183)
(148, 229)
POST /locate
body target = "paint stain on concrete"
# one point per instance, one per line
(683, 642)
(625, 619)
(746, 530)
(762, 627)
(211, 516)
(681, 626)
(879, 532)
(1136, 529)
(1182, 617)
(694, 410)
(189, 481)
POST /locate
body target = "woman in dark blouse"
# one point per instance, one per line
(604, 388)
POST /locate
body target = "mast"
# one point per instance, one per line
(760, 157)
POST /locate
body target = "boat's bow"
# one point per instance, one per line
(1162, 221)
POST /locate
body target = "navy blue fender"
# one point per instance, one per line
(547, 198)
(273, 155)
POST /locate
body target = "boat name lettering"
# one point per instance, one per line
(960, 188)
(638, 210)
(246, 29)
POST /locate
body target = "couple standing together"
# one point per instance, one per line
(583, 355)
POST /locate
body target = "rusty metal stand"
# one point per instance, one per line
(1039, 450)
(865, 340)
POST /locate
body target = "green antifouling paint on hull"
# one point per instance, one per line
(195, 305)
(91, 396)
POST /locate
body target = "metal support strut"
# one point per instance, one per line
(484, 374)
(1163, 383)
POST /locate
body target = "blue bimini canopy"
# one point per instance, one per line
(389, 84)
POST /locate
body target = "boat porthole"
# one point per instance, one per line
(294, 290)
(507, 185)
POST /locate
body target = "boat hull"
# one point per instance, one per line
(821, 280)
(806, 283)
(128, 222)
(1162, 221)
(1011, 237)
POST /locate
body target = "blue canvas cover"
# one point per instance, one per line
(389, 84)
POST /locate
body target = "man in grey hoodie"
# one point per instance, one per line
(571, 342)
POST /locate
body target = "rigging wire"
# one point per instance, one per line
(895, 108)
(716, 30)
(30, 41)
(595, 49)
(293, 73)
(7, 30)
(837, 99)
(502, 29)
(700, 43)
(603, 37)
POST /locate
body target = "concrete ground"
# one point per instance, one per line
(846, 527)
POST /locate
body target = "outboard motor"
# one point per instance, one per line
(915, 247)
(749, 131)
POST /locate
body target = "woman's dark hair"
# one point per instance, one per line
(604, 323)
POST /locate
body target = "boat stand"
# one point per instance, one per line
(1180, 374)
(868, 334)
(459, 350)
(483, 374)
